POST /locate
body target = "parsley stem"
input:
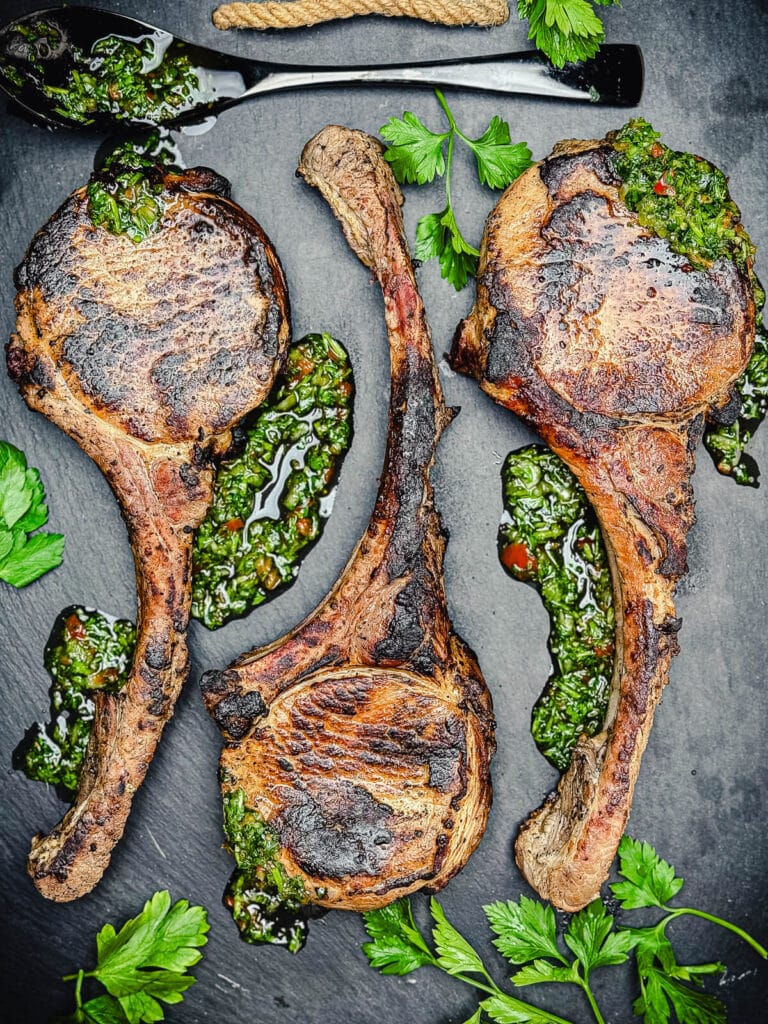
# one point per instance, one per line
(493, 990)
(448, 113)
(595, 1008)
(452, 133)
(680, 911)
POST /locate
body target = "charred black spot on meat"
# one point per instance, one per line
(336, 830)
(157, 653)
(556, 170)
(236, 713)
(406, 632)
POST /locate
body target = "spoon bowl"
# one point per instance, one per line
(85, 68)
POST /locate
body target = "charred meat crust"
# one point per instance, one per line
(371, 761)
(614, 349)
(145, 355)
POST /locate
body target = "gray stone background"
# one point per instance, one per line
(701, 794)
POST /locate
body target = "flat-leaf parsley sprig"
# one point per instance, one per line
(23, 510)
(565, 30)
(526, 935)
(143, 964)
(398, 947)
(650, 881)
(418, 155)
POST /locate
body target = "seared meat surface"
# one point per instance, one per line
(614, 349)
(146, 355)
(363, 738)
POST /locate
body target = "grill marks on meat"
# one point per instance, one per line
(614, 350)
(146, 355)
(364, 737)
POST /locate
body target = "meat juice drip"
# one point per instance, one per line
(87, 650)
(549, 537)
(150, 78)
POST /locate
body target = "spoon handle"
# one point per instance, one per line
(614, 77)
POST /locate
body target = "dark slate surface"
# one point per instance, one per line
(701, 796)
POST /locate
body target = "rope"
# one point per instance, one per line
(299, 13)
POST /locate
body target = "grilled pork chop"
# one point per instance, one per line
(363, 738)
(146, 355)
(614, 349)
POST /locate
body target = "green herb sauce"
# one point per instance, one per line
(549, 537)
(685, 199)
(86, 651)
(267, 904)
(725, 442)
(129, 79)
(125, 194)
(270, 501)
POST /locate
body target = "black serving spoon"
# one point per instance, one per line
(40, 52)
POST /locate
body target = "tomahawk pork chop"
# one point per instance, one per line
(146, 354)
(614, 349)
(363, 738)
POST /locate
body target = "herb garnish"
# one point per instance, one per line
(418, 155)
(549, 537)
(726, 442)
(143, 965)
(685, 199)
(270, 500)
(87, 651)
(266, 903)
(24, 558)
(565, 30)
(526, 935)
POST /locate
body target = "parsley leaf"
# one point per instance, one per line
(650, 881)
(564, 30)
(143, 965)
(454, 953)
(23, 510)
(591, 937)
(499, 161)
(103, 1010)
(505, 1010)
(541, 971)
(662, 993)
(415, 153)
(438, 236)
(161, 936)
(398, 947)
(525, 930)
(419, 155)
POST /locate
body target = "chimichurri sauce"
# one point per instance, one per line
(271, 499)
(86, 651)
(125, 192)
(549, 537)
(151, 78)
(267, 904)
(685, 199)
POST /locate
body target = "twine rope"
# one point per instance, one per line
(302, 13)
